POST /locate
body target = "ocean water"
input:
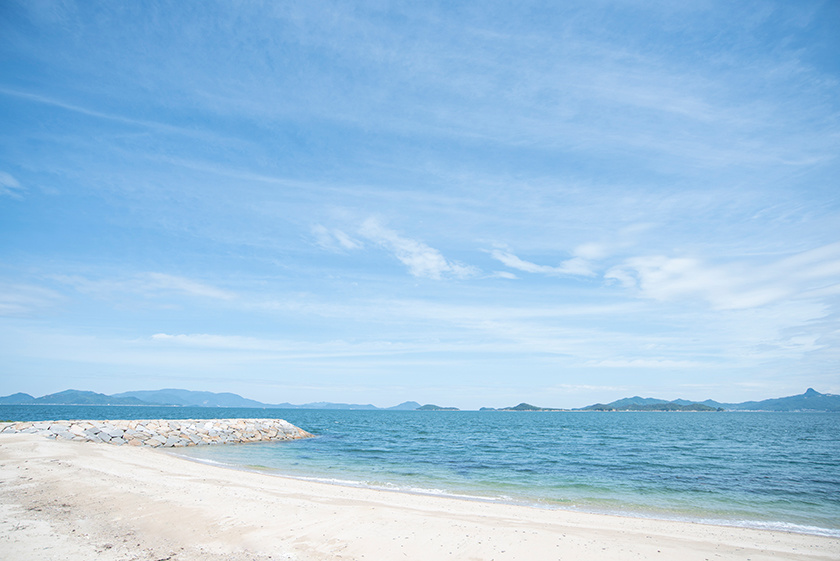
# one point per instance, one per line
(764, 470)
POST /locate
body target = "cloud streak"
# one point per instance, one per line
(149, 285)
(24, 300)
(421, 260)
(577, 266)
(10, 187)
(735, 286)
(334, 239)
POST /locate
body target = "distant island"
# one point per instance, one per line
(430, 407)
(628, 406)
(811, 400)
(521, 407)
(670, 406)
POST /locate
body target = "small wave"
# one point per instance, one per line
(775, 526)
(411, 489)
(789, 527)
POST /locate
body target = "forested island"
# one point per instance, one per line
(652, 407)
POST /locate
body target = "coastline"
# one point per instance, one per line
(626, 511)
(79, 500)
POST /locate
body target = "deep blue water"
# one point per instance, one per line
(773, 470)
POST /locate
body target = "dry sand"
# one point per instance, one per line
(80, 501)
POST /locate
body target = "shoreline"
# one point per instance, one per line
(753, 524)
(78, 500)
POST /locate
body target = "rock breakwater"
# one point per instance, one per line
(163, 432)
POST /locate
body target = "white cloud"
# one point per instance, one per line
(148, 284)
(9, 186)
(421, 260)
(591, 251)
(574, 266)
(334, 239)
(645, 363)
(22, 300)
(159, 126)
(172, 283)
(220, 342)
(736, 286)
(271, 349)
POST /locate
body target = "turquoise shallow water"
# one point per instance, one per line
(769, 470)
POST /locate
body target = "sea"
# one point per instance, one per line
(769, 470)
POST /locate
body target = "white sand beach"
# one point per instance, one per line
(62, 500)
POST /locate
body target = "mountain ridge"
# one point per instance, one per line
(811, 400)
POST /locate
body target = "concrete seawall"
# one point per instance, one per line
(163, 432)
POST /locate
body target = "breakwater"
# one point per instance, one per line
(163, 432)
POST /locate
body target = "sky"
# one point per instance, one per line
(469, 204)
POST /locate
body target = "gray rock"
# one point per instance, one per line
(157, 433)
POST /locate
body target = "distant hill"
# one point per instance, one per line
(520, 407)
(187, 398)
(659, 406)
(636, 400)
(16, 399)
(405, 406)
(172, 397)
(76, 397)
(430, 407)
(330, 405)
(190, 398)
(811, 400)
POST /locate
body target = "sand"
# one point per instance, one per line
(62, 500)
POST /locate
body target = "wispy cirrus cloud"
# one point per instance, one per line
(333, 238)
(55, 102)
(173, 283)
(735, 286)
(25, 299)
(9, 186)
(645, 363)
(422, 261)
(279, 348)
(574, 266)
(147, 284)
(579, 265)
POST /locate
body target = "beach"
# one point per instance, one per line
(79, 500)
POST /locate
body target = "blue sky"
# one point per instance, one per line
(373, 202)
